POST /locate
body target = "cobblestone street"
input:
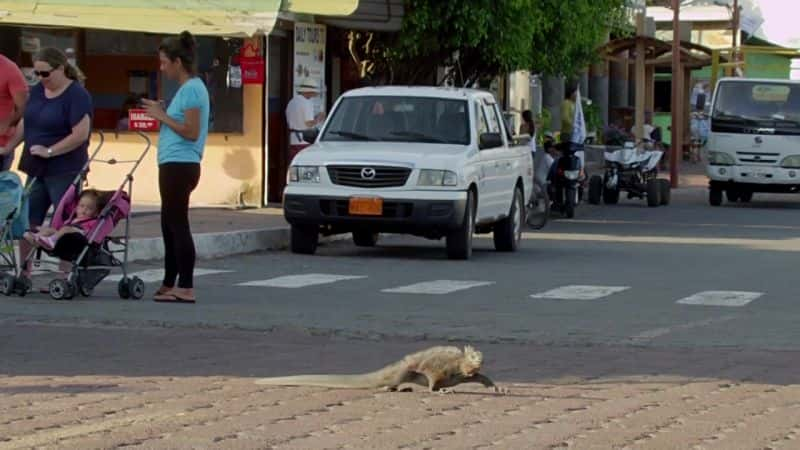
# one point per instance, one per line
(103, 386)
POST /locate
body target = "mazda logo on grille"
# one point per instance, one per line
(367, 173)
(759, 140)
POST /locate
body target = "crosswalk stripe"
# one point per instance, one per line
(154, 275)
(580, 292)
(299, 281)
(437, 287)
(721, 298)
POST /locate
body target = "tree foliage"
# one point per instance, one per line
(569, 39)
(479, 39)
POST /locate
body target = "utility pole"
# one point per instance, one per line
(677, 96)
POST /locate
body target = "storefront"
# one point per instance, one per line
(242, 60)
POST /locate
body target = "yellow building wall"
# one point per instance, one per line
(232, 163)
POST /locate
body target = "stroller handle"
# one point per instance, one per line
(99, 144)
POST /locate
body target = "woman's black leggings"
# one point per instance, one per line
(176, 181)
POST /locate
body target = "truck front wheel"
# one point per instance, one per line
(715, 196)
(459, 242)
(304, 239)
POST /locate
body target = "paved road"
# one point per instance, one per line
(732, 268)
(628, 327)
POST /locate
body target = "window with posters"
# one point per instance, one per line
(309, 60)
(121, 68)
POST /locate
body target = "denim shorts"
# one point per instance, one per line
(46, 192)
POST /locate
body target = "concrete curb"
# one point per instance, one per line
(217, 245)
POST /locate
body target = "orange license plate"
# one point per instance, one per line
(371, 206)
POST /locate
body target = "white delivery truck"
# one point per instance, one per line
(754, 141)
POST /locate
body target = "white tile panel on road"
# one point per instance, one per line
(580, 292)
(300, 281)
(437, 287)
(156, 275)
(721, 298)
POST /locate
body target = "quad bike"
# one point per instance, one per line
(634, 170)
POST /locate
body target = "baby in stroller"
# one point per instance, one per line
(68, 241)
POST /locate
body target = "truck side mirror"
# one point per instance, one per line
(310, 135)
(490, 140)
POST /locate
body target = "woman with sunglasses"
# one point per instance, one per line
(55, 129)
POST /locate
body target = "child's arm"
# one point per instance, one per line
(46, 231)
(67, 229)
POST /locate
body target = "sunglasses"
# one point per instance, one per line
(44, 73)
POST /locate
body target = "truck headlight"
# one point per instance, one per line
(303, 174)
(791, 162)
(428, 177)
(720, 159)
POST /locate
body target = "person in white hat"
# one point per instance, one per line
(300, 116)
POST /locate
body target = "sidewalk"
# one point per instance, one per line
(217, 232)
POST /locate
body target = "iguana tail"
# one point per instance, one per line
(363, 381)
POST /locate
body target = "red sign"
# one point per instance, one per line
(138, 120)
(252, 70)
(251, 61)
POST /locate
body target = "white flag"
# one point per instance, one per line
(578, 124)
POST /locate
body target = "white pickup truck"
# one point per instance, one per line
(426, 161)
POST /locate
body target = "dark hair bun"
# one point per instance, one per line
(187, 40)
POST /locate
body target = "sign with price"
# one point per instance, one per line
(138, 120)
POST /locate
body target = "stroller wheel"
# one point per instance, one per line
(124, 288)
(61, 289)
(6, 284)
(86, 291)
(23, 285)
(136, 288)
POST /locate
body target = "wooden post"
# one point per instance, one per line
(687, 107)
(650, 96)
(640, 78)
(735, 24)
(677, 96)
(736, 55)
(714, 69)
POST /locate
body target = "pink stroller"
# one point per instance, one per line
(92, 256)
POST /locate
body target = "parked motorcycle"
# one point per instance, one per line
(567, 179)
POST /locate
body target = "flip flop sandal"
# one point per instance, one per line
(172, 298)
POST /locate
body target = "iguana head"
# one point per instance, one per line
(472, 360)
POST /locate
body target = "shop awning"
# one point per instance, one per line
(201, 17)
(321, 7)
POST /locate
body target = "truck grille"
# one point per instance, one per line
(384, 177)
(758, 157)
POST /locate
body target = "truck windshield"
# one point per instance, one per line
(400, 119)
(742, 106)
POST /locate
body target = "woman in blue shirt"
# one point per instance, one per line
(55, 129)
(184, 128)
